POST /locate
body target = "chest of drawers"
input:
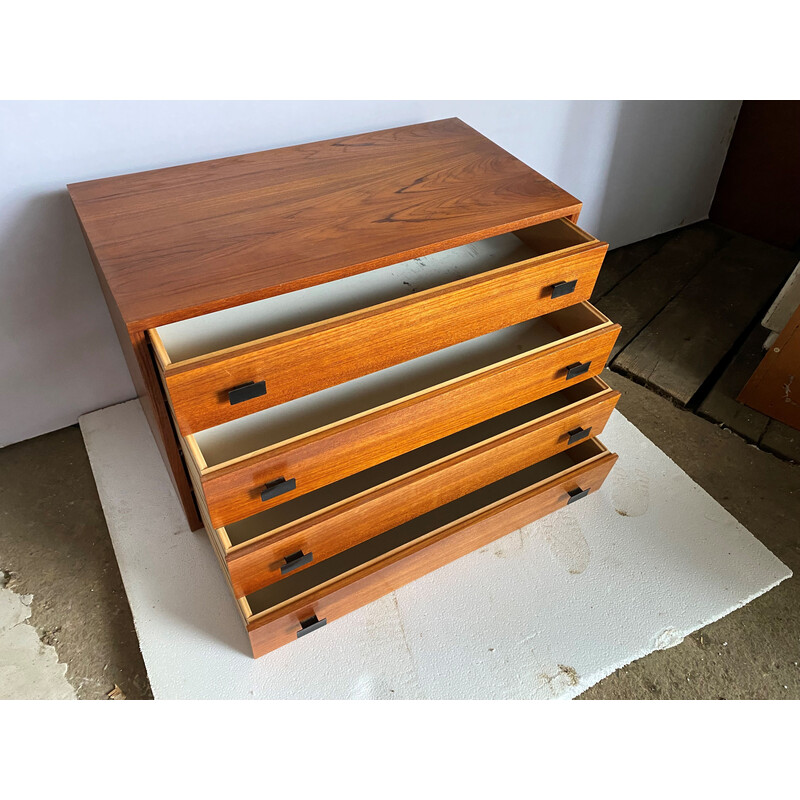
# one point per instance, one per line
(361, 358)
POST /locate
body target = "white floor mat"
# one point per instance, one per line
(544, 612)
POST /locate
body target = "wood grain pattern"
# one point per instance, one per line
(146, 381)
(257, 563)
(720, 404)
(306, 360)
(639, 297)
(678, 349)
(232, 490)
(274, 628)
(622, 261)
(774, 388)
(186, 240)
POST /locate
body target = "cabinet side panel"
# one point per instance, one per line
(148, 388)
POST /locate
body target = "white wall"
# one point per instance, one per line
(639, 167)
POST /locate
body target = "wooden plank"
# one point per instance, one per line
(680, 348)
(638, 298)
(774, 388)
(780, 312)
(178, 242)
(720, 404)
(621, 261)
(781, 440)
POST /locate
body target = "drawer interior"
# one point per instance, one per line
(210, 333)
(297, 417)
(293, 510)
(379, 546)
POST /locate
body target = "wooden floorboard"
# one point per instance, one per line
(620, 262)
(720, 404)
(681, 347)
(782, 440)
(638, 297)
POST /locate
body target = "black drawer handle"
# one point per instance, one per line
(578, 434)
(310, 624)
(277, 487)
(578, 368)
(295, 561)
(576, 494)
(247, 391)
(563, 287)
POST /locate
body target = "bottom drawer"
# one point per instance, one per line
(308, 600)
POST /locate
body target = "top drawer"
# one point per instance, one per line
(228, 364)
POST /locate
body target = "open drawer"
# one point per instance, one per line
(254, 463)
(290, 537)
(228, 364)
(306, 601)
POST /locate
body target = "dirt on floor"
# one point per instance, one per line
(55, 546)
(754, 652)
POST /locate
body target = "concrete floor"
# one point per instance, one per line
(54, 545)
(754, 652)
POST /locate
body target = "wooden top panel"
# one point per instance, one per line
(177, 242)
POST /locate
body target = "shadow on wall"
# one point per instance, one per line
(655, 165)
(51, 298)
(589, 133)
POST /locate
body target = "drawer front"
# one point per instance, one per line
(233, 491)
(299, 362)
(263, 561)
(374, 580)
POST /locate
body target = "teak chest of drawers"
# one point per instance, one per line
(361, 358)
